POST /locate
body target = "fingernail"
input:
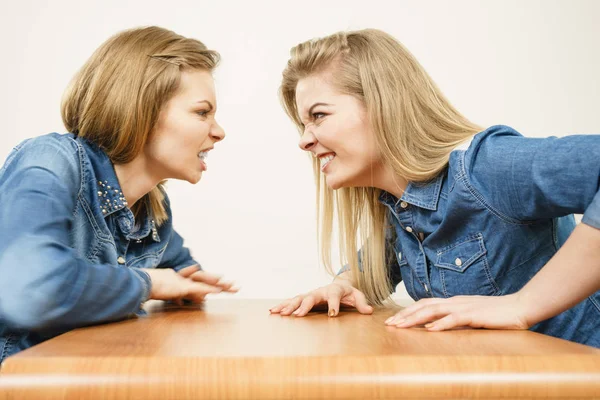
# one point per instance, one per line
(332, 313)
(296, 312)
(389, 320)
(400, 321)
(430, 325)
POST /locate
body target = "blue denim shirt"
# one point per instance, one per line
(496, 216)
(71, 253)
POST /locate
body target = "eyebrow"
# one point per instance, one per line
(315, 105)
(207, 102)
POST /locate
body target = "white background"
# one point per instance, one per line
(533, 65)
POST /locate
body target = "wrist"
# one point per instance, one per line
(525, 311)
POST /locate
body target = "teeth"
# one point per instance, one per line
(326, 160)
(202, 155)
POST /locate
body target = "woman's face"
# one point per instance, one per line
(186, 130)
(337, 131)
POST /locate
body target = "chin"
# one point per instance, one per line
(195, 180)
(193, 177)
(333, 183)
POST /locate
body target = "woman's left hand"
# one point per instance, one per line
(502, 312)
(194, 273)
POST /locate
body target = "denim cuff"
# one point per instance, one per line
(186, 264)
(146, 284)
(591, 216)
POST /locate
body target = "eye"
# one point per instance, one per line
(203, 113)
(317, 115)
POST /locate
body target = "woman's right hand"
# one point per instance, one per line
(170, 285)
(334, 294)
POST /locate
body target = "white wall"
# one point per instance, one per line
(529, 64)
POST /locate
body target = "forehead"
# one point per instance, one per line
(197, 84)
(313, 89)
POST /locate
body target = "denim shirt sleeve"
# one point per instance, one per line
(176, 255)
(44, 284)
(523, 179)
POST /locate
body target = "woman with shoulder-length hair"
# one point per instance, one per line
(477, 223)
(87, 231)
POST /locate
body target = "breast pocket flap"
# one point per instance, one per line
(461, 255)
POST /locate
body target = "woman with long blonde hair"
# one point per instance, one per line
(87, 231)
(477, 223)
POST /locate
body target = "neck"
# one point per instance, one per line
(135, 179)
(387, 180)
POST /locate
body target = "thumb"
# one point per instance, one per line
(360, 302)
(188, 271)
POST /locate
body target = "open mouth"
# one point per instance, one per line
(202, 156)
(325, 160)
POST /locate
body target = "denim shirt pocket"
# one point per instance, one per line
(463, 268)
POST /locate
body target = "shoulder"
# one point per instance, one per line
(53, 148)
(54, 154)
(491, 144)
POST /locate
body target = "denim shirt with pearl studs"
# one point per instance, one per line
(494, 218)
(71, 253)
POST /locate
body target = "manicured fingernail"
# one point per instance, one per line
(430, 325)
(332, 313)
(296, 312)
(400, 321)
(389, 320)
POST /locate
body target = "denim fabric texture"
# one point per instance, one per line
(494, 218)
(71, 253)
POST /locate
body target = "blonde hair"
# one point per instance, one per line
(115, 99)
(415, 128)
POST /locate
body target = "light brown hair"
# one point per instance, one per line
(415, 129)
(115, 99)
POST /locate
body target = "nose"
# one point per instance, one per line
(307, 140)
(216, 132)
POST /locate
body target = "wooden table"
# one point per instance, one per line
(236, 349)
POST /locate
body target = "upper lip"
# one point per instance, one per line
(326, 153)
(209, 149)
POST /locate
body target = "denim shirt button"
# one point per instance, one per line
(403, 204)
(121, 260)
(400, 255)
(426, 288)
(409, 229)
(458, 262)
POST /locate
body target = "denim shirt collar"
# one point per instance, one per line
(110, 197)
(421, 194)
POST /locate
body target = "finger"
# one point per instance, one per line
(360, 302)
(187, 271)
(334, 295)
(279, 307)
(203, 276)
(413, 308)
(231, 289)
(196, 298)
(448, 322)
(228, 286)
(292, 306)
(307, 304)
(424, 315)
(201, 289)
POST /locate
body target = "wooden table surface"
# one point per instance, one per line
(233, 348)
